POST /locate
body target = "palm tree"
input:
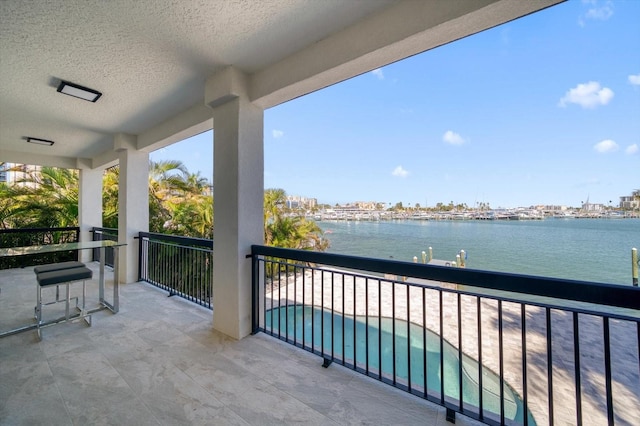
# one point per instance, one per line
(195, 183)
(8, 205)
(175, 200)
(165, 186)
(110, 180)
(166, 177)
(179, 203)
(192, 217)
(274, 199)
(9, 208)
(195, 211)
(286, 231)
(47, 198)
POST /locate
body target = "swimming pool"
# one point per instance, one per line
(369, 340)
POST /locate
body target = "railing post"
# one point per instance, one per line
(255, 293)
(140, 242)
(77, 232)
(451, 416)
(634, 266)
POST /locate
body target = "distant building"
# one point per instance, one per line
(592, 207)
(630, 201)
(298, 202)
(366, 205)
(12, 173)
(551, 208)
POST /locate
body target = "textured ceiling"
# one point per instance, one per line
(149, 58)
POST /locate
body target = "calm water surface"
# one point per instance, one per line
(582, 249)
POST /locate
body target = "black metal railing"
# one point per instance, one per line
(37, 236)
(500, 348)
(180, 265)
(100, 234)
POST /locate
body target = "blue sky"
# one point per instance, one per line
(542, 110)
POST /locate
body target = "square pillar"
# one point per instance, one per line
(89, 206)
(133, 203)
(238, 184)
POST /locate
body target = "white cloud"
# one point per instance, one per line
(601, 13)
(588, 183)
(277, 134)
(453, 138)
(378, 73)
(587, 95)
(605, 146)
(597, 11)
(632, 149)
(635, 79)
(400, 172)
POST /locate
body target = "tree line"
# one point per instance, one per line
(180, 203)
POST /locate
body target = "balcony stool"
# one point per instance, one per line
(56, 267)
(63, 277)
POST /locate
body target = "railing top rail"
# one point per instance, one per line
(24, 230)
(99, 229)
(485, 293)
(184, 241)
(572, 290)
(176, 245)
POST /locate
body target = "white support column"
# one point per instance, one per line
(133, 203)
(89, 205)
(238, 184)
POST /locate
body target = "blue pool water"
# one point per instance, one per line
(368, 343)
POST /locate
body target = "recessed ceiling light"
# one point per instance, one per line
(78, 91)
(39, 141)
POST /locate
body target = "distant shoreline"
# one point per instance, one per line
(491, 215)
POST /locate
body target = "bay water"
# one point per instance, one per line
(597, 250)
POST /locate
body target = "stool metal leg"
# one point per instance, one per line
(39, 304)
(67, 303)
(39, 312)
(37, 307)
(87, 317)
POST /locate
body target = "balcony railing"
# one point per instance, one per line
(100, 234)
(500, 348)
(37, 236)
(180, 265)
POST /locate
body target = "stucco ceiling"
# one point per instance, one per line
(149, 58)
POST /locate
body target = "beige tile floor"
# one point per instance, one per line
(159, 362)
